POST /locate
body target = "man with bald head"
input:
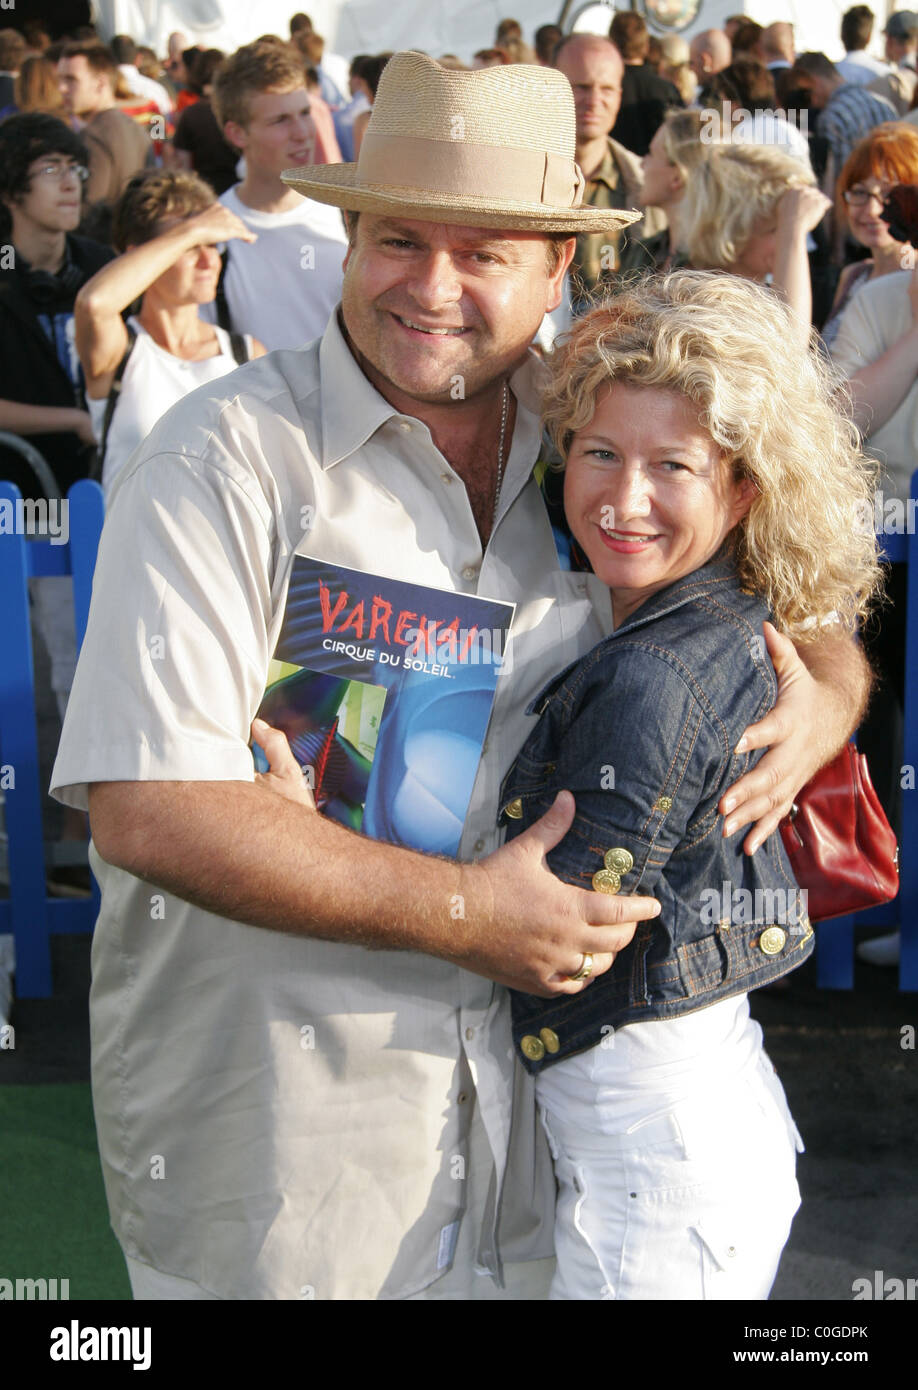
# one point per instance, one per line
(595, 70)
(709, 53)
(778, 45)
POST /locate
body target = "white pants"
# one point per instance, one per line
(692, 1203)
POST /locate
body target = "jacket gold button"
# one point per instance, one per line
(772, 941)
(663, 803)
(550, 1039)
(618, 860)
(514, 809)
(532, 1047)
(606, 881)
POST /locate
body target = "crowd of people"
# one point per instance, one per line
(727, 265)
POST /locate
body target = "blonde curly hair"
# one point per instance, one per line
(730, 194)
(774, 408)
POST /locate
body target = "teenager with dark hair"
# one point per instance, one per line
(43, 168)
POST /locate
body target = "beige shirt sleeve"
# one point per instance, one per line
(172, 667)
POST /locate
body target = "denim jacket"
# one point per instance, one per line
(643, 732)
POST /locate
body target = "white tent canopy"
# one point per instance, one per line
(348, 26)
(437, 27)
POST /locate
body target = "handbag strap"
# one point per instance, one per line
(114, 391)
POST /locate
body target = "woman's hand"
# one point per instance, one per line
(284, 775)
(803, 207)
(213, 225)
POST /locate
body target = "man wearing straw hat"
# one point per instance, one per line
(282, 1112)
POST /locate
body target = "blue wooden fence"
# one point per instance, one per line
(32, 916)
(29, 913)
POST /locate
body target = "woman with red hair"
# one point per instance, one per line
(884, 158)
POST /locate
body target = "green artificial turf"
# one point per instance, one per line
(53, 1216)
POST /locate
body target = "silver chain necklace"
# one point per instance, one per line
(504, 410)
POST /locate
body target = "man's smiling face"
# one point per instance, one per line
(425, 303)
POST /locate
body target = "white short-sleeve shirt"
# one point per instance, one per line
(283, 287)
(872, 321)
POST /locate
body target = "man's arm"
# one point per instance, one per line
(241, 850)
(823, 688)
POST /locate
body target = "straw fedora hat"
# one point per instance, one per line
(489, 148)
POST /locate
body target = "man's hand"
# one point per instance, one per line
(540, 928)
(242, 851)
(283, 775)
(513, 949)
(816, 711)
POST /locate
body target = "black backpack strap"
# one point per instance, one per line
(113, 394)
(240, 348)
(223, 314)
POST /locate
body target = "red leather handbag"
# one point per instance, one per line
(841, 847)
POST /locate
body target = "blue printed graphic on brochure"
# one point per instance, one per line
(384, 689)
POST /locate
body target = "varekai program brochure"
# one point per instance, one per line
(384, 690)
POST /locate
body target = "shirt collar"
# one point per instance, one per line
(608, 172)
(717, 573)
(353, 410)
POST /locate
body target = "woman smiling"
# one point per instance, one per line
(712, 483)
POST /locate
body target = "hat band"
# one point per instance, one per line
(459, 169)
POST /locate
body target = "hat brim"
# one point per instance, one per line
(336, 184)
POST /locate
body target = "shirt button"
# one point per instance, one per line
(772, 940)
(446, 478)
(469, 1034)
(470, 572)
(606, 881)
(479, 846)
(461, 1098)
(405, 426)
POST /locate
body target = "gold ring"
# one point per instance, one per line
(586, 968)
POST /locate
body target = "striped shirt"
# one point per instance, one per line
(851, 113)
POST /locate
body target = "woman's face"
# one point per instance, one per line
(867, 226)
(757, 257)
(663, 182)
(192, 279)
(647, 492)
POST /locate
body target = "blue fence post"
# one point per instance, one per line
(87, 513)
(26, 913)
(29, 914)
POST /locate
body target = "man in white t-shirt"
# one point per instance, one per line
(282, 287)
